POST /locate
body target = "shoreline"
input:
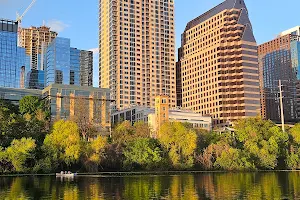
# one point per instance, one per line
(153, 173)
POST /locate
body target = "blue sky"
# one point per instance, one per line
(78, 19)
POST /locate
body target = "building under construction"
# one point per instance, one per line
(35, 40)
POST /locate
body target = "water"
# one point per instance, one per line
(262, 185)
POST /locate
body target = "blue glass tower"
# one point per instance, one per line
(295, 56)
(63, 63)
(35, 79)
(58, 62)
(12, 57)
(75, 66)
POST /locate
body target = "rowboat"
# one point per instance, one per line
(66, 175)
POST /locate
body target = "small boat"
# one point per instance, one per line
(66, 174)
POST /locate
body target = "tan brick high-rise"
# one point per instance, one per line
(35, 40)
(137, 51)
(219, 64)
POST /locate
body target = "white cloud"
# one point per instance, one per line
(57, 25)
(95, 50)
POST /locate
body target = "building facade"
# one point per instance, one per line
(279, 60)
(65, 102)
(12, 57)
(155, 117)
(86, 68)
(35, 40)
(35, 79)
(219, 64)
(67, 65)
(137, 51)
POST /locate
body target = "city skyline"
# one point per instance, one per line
(73, 26)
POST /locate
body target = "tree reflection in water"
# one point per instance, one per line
(268, 185)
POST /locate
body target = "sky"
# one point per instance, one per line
(78, 19)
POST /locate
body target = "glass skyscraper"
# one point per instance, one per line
(12, 57)
(64, 64)
(295, 55)
(279, 60)
(35, 79)
(58, 62)
(74, 66)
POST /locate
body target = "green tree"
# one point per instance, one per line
(233, 159)
(62, 146)
(180, 142)
(295, 132)
(123, 133)
(293, 157)
(29, 105)
(262, 141)
(21, 154)
(143, 153)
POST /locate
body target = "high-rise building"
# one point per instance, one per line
(12, 57)
(58, 68)
(74, 66)
(279, 60)
(35, 40)
(137, 51)
(35, 79)
(86, 68)
(68, 65)
(219, 64)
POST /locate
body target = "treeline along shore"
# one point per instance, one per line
(29, 143)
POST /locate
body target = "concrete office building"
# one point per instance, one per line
(155, 117)
(137, 51)
(219, 64)
(86, 68)
(64, 100)
(279, 60)
(12, 57)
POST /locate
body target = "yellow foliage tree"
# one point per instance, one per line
(63, 144)
(180, 142)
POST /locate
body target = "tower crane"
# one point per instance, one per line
(20, 17)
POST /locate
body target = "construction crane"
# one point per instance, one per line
(20, 18)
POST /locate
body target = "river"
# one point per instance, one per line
(188, 186)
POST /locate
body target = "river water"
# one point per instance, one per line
(260, 185)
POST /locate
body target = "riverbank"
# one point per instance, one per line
(150, 173)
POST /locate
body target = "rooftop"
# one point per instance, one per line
(227, 4)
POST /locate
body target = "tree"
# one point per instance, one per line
(123, 133)
(20, 153)
(63, 144)
(93, 153)
(29, 105)
(82, 118)
(262, 141)
(180, 142)
(142, 130)
(295, 132)
(143, 153)
(293, 157)
(233, 159)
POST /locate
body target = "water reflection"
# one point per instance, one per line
(271, 185)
